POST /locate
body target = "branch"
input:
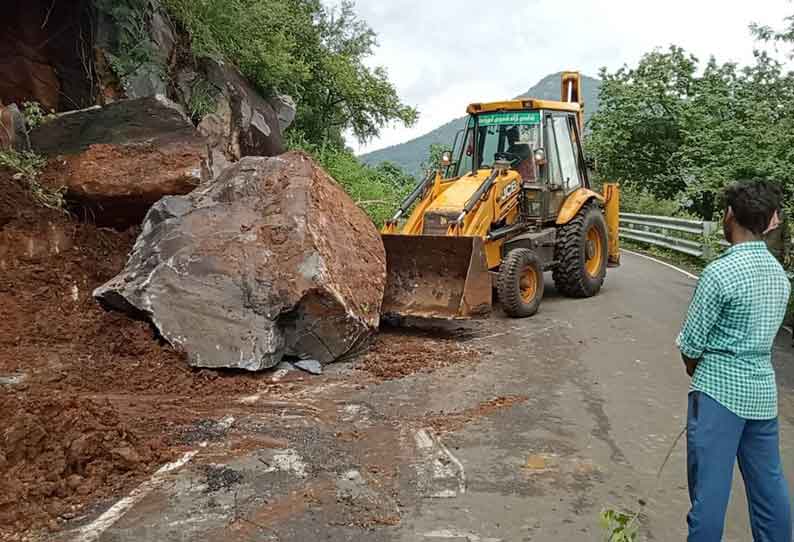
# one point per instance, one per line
(47, 18)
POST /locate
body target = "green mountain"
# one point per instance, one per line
(409, 155)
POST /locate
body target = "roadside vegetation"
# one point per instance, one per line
(674, 130)
(318, 55)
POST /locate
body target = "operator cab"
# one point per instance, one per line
(543, 146)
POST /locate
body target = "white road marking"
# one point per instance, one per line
(456, 461)
(423, 440)
(92, 531)
(683, 272)
(439, 464)
(660, 262)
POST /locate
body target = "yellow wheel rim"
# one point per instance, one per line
(594, 257)
(529, 285)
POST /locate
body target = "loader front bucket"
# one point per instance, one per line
(436, 277)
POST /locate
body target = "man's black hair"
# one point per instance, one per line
(754, 203)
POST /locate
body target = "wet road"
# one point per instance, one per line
(596, 397)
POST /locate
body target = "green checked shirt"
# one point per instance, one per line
(731, 325)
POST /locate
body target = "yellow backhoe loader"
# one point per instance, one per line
(511, 201)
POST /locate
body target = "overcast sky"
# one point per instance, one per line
(444, 54)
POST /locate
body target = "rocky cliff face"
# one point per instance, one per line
(73, 55)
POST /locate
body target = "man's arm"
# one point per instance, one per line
(703, 314)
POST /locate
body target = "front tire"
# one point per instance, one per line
(582, 253)
(520, 283)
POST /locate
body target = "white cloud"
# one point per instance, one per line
(444, 54)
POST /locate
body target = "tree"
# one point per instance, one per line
(769, 35)
(637, 133)
(342, 93)
(433, 160)
(678, 135)
(300, 47)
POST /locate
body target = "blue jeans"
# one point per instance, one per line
(716, 437)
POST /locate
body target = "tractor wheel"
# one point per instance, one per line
(520, 283)
(581, 253)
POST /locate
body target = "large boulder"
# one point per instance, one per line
(270, 259)
(242, 122)
(115, 162)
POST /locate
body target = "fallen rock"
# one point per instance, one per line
(270, 259)
(311, 366)
(116, 161)
(243, 122)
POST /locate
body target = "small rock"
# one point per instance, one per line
(13, 380)
(310, 366)
(128, 455)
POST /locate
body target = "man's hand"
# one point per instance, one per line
(691, 365)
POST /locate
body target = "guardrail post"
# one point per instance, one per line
(709, 228)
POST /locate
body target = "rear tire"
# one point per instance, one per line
(520, 283)
(582, 253)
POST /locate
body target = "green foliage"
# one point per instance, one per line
(680, 135)
(634, 199)
(378, 191)
(619, 526)
(35, 115)
(433, 160)
(27, 167)
(134, 49)
(314, 53)
(203, 99)
(784, 37)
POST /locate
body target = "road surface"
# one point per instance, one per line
(566, 413)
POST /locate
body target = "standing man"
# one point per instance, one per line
(726, 344)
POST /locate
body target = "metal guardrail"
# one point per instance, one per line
(686, 236)
(692, 237)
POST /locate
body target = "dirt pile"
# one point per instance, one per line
(55, 451)
(72, 372)
(56, 334)
(396, 353)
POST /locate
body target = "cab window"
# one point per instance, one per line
(567, 153)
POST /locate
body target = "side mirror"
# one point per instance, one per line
(540, 156)
(446, 158)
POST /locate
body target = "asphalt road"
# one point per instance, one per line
(596, 397)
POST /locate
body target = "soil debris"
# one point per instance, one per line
(58, 452)
(399, 353)
(449, 422)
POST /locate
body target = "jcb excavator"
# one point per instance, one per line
(511, 200)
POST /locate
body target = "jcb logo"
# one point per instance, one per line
(509, 190)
